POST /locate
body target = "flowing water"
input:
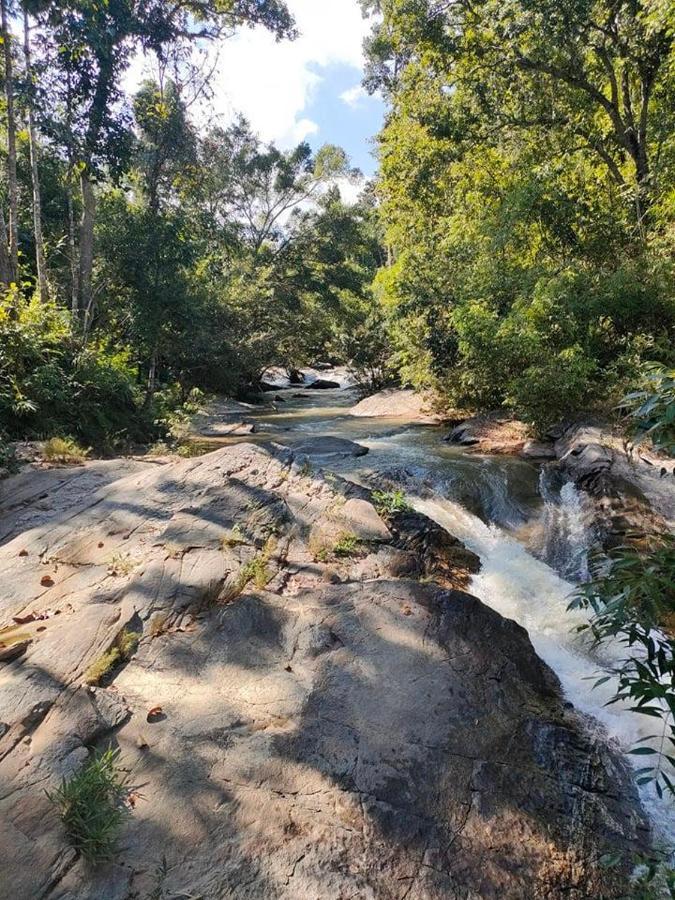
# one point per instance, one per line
(530, 528)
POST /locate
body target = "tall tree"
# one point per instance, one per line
(40, 258)
(7, 40)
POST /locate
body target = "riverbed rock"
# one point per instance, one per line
(323, 384)
(320, 735)
(493, 433)
(395, 403)
(216, 428)
(329, 446)
(538, 450)
(633, 491)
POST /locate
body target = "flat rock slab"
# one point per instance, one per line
(322, 734)
(329, 446)
(397, 404)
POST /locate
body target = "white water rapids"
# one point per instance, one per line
(523, 588)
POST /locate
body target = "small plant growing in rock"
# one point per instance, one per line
(92, 806)
(256, 570)
(120, 652)
(121, 564)
(346, 545)
(388, 503)
(64, 451)
(234, 537)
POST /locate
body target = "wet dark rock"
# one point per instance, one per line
(323, 384)
(329, 446)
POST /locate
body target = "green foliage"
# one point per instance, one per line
(92, 806)
(651, 410)
(121, 651)
(346, 545)
(64, 450)
(531, 243)
(388, 503)
(635, 601)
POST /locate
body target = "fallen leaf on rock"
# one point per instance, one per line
(23, 552)
(154, 713)
(24, 620)
(47, 581)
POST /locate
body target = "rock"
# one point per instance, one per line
(295, 376)
(322, 366)
(323, 384)
(226, 429)
(320, 735)
(628, 494)
(491, 433)
(329, 446)
(537, 450)
(362, 519)
(397, 404)
(439, 555)
(267, 388)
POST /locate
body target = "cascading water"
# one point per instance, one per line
(526, 589)
(567, 535)
(530, 529)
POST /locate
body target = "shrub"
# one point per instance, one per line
(651, 410)
(548, 392)
(390, 502)
(346, 545)
(92, 806)
(64, 450)
(632, 601)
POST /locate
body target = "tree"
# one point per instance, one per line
(7, 41)
(91, 46)
(40, 258)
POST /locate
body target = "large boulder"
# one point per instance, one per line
(394, 403)
(318, 736)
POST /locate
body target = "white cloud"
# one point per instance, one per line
(272, 82)
(354, 96)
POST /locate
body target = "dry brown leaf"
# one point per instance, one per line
(23, 552)
(154, 713)
(47, 581)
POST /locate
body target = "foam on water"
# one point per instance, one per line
(525, 589)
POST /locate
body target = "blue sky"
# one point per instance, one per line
(345, 114)
(307, 89)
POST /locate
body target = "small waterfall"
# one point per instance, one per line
(519, 586)
(567, 534)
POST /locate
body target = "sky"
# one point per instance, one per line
(307, 89)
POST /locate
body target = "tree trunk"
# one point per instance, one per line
(40, 258)
(72, 253)
(152, 381)
(86, 240)
(11, 146)
(5, 274)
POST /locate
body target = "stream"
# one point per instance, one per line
(531, 530)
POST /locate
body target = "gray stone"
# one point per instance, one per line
(329, 446)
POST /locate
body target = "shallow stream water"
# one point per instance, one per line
(530, 528)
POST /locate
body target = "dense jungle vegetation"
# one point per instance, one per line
(515, 249)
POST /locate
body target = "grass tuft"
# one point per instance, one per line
(65, 451)
(120, 652)
(92, 807)
(388, 503)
